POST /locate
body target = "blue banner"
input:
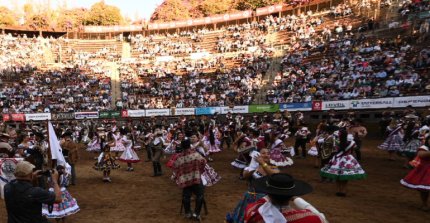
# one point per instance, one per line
(207, 110)
(302, 106)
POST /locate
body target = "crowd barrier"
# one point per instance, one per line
(374, 103)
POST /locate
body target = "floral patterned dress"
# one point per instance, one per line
(343, 166)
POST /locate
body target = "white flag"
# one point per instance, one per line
(56, 151)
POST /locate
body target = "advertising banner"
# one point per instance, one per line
(17, 117)
(316, 105)
(235, 109)
(305, 106)
(157, 112)
(416, 101)
(86, 115)
(263, 108)
(38, 116)
(6, 117)
(133, 113)
(207, 110)
(269, 9)
(183, 111)
(372, 103)
(63, 116)
(336, 105)
(109, 114)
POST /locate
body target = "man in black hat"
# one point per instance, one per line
(281, 189)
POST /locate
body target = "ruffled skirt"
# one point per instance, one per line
(418, 178)
(392, 143)
(209, 176)
(67, 207)
(129, 156)
(343, 167)
(105, 162)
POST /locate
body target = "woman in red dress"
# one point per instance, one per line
(419, 178)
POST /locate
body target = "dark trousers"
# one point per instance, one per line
(73, 174)
(358, 148)
(198, 190)
(300, 143)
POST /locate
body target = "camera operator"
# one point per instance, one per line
(23, 200)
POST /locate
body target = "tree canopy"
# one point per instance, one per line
(6, 17)
(103, 14)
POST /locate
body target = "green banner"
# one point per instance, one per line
(109, 114)
(263, 108)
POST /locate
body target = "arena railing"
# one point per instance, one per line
(361, 104)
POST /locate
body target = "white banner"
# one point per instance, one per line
(134, 113)
(38, 116)
(372, 103)
(86, 115)
(157, 112)
(235, 109)
(416, 101)
(336, 105)
(183, 111)
(196, 56)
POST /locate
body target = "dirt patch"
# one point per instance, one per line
(137, 197)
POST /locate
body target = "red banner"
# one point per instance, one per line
(18, 117)
(6, 117)
(316, 105)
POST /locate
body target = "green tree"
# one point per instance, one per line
(102, 14)
(212, 7)
(7, 17)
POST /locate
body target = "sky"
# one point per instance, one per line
(129, 8)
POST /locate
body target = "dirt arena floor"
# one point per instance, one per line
(137, 197)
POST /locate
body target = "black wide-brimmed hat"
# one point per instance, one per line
(282, 184)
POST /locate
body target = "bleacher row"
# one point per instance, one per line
(189, 69)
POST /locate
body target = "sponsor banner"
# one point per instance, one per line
(63, 116)
(183, 111)
(336, 105)
(86, 115)
(372, 103)
(6, 117)
(416, 101)
(38, 116)
(269, 10)
(133, 113)
(263, 108)
(109, 114)
(202, 20)
(305, 106)
(316, 105)
(17, 117)
(157, 112)
(207, 110)
(235, 109)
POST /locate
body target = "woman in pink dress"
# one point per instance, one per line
(419, 178)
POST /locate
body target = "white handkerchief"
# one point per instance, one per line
(271, 214)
